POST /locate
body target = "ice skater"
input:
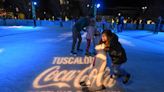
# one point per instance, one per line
(99, 64)
(91, 31)
(143, 23)
(158, 25)
(95, 82)
(120, 24)
(103, 23)
(117, 54)
(76, 35)
(61, 22)
(115, 25)
(137, 23)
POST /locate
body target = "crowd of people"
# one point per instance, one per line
(105, 44)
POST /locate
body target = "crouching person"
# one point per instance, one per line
(117, 54)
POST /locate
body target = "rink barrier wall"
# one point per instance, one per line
(13, 22)
(68, 24)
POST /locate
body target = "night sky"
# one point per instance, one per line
(52, 6)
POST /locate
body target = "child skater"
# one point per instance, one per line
(91, 31)
(99, 65)
(117, 54)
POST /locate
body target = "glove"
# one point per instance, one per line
(100, 47)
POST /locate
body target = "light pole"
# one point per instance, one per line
(34, 12)
(144, 8)
(95, 7)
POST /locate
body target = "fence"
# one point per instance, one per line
(67, 24)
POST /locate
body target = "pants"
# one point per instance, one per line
(95, 42)
(118, 71)
(103, 26)
(61, 24)
(97, 69)
(115, 27)
(137, 26)
(158, 28)
(143, 26)
(120, 27)
(34, 23)
(76, 35)
(88, 45)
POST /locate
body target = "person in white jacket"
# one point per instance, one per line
(96, 82)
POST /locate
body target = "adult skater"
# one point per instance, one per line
(78, 26)
(137, 23)
(120, 24)
(117, 54)
(143, 23)
(61, 22)
(158, 25)
(115, 25)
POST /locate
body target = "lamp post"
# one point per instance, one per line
(34, 12)
(144, 8)
(95, 7)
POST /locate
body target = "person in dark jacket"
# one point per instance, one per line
(158, 25)
(77, 28)
(137, 23)
(117, 54)
(143, 23)
(120, 26)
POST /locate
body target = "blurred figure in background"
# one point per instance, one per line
(143, 23)
(158, 25)
(61, 22)
(115, 25)
(137, 23)
(120, 24)
(103, 23)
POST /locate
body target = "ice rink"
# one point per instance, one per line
(27, 57)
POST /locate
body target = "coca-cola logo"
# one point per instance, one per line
(65, 73)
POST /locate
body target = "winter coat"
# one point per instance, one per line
(116, 51)
(81, 23)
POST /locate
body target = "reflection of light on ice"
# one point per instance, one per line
(59, 38)
(126, 42)
(15, 27)
(67, 34)
(47, 40)
(1, 50)
(19, 27)
(57, 77)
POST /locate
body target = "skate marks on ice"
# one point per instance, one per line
(66, 73)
